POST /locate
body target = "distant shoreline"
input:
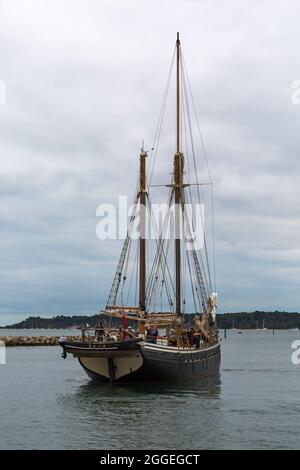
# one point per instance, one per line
(241, 320)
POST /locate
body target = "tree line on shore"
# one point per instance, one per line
(240, 320)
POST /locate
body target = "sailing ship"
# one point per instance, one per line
(146, 341)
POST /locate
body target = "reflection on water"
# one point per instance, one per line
(147, 412)
(208, 386)
(94, 394)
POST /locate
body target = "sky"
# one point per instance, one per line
(84, 81)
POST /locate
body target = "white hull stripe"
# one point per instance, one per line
(173, 349)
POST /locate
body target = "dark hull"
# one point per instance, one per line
(170, 364)
(114, 349)
(159, 364)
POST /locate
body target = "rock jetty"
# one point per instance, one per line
(33, 340)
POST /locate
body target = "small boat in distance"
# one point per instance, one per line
(263, 326)
(168, 331)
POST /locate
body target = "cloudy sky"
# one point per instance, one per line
(84, 82)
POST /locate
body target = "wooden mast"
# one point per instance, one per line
(142, 196)
(178, 94)
(178, 182)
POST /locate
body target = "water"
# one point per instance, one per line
(48, 403)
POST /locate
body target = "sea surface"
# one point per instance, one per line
(49, 403)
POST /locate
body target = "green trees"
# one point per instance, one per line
(241, 320)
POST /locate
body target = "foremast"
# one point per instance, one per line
(126, 311)
(142, 250)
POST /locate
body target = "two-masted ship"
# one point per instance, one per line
(146, 341)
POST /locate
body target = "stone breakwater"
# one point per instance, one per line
(33, 340)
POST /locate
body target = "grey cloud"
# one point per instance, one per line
(84, 84)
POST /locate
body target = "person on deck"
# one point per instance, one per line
(152, 334)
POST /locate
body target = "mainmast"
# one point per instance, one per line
(178, 184)
(178, 94)
(142, 197)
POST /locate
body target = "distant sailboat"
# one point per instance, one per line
(263, 326)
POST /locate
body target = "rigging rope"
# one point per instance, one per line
(208, 169)
(196, 176)
(160, 123)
